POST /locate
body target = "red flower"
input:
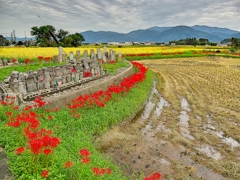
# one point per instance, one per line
(50, 117)
(55, 142)
(85, 160)
(20, 150)
(154, 176)
(47, 151)
(98, 171)
(108, 171)
(9, 113)
(68, 164)
(45, 173)
(84, 152)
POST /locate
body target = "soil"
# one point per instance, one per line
(138, 146)
(5, 173)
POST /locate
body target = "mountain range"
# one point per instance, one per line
(162, 34)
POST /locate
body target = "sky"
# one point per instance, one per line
(115, 15)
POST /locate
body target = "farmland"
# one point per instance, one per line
(188, 128)
(198, 124)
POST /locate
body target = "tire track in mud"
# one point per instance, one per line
(137, 147)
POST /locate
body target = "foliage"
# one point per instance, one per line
(44, 38)
(75, 157)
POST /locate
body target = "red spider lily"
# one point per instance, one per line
(68, 164)
(48, 58)
(56, 110)
(84, 152)
(85, 160)
(27, 61)
(154, 176)
(39, 102)
(98, 171)
(108, 171)
(47, 151)
(40, 57)
(45, 173)
(14, 60)
(20, 150)
(14, 124)
(55, 142)
(9, 113)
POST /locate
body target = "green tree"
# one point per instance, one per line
(234, 42)
(43, 37)
(73, 40)
(61, 35)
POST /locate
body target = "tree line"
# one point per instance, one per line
(193, 41)
(47, 36)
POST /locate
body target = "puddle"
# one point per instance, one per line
(209, 151)
(161, 104)
(150, 104)
(227, 140)
(184, 104)
(209, 125)
(165, 162)
(184, 118)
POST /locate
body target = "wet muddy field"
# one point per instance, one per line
(185, 130)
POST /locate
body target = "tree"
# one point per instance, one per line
(234, 42)
(73, 40)
(61, 34)
(43, 37)
(19, 43)
(4, 41)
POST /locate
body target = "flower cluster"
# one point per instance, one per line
(142, 54)
(27, 61)
(154, 176)
(100, 171)
(99, 98)
(85, 154)
(35, 140)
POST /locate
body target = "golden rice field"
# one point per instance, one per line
(203, 114)
(34, 52)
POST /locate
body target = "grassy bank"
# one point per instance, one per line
(76, 129)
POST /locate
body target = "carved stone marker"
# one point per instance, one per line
(77, 55)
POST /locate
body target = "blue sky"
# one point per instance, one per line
(116, 15)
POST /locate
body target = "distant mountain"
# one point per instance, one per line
(105, 36)
(236, 35)
(21, 39)
(183, 32)
(162, 34)
(159, 29)
(214, 29)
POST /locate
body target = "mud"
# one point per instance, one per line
(5, 173)
(136, 147)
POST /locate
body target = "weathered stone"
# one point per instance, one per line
(78, 55)
(5, 62)
(119, 56)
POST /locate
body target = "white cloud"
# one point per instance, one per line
(116, 15)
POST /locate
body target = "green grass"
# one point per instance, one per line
(75, 134)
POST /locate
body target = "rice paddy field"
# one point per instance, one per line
(203, 110)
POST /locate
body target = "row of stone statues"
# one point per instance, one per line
(52, 77)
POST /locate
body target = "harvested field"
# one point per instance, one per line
(189, 128)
